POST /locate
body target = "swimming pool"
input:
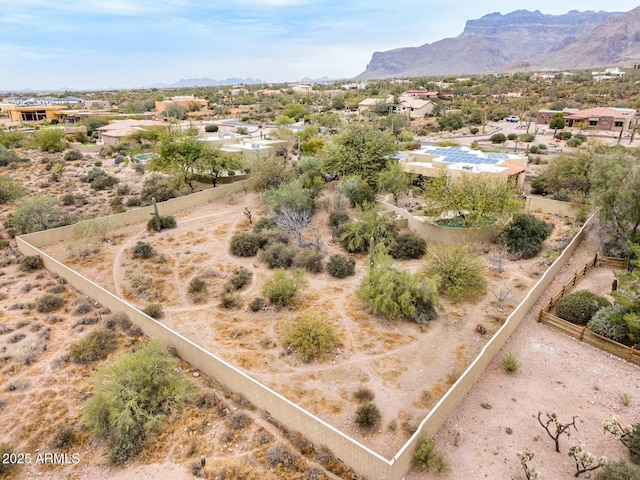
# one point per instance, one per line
(145, 157)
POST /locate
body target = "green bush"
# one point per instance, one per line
(211, 128)
(341, 266)
(425, 452)
(133, 395)
(609, 322)
(474, 130)
(337, 218)
(143, 250)
(49, 303)
(311, 337)
(580, 307)
(245, 244)
(165, 222)
(265, 223)
(123, 189)
(9, 190)
(197, 285)
(278, 255)
(240, 277)
(566, 135)
(34, 214)
(460, 273)
(398, 293)
(368, 416)
(580, 137)
(156, 186)
(97, 345)
(73, 155)
(133, 202)
(527, 138)
(408, 246)
(498, 138)
(7, 156)
(257, 304)
(510, 363)
(31, 262)
(621, 470)
(512, 136)
(154, 310)
(229, 300)
(282, 288)
(355, 235)
(309, 259)
(524, 235)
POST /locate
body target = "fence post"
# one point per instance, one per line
(595, 260)
(582, 332)
(631, 350)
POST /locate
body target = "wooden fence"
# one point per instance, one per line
(580, 332)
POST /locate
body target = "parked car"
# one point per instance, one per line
(512, 118)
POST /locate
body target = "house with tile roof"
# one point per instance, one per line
(601, 118)
(414, 107)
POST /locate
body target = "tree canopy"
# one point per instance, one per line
(359, 150)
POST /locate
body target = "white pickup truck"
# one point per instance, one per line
(513, 119)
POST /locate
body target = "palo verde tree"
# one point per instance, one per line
(393, 179)
(359, 150)
(615, 183)
(215, 162)
(478, 199)
(179, 154)
(557, 122)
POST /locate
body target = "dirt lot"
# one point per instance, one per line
(407, 366)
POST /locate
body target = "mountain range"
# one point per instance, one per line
(520, 40)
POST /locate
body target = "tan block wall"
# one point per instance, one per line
(352, 453)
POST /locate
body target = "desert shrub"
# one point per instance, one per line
(143, 250)
(461, 275)
(7, 156)
(282, 287)
(34, 214)
(542, 146)
(239, 421)
(154, 310)
(580, 306)
(265, 223)
(156, 186)
(9, 189)
(49, 303)
(337, 218)
(245, 244)
(609, 322)
(6, 449)
(133, 202)
(197, 285)
(119, 159)
(498, 138)
(97, 345)
(211, 128)
(311, 337)
(229, 300)
(474, 130)
(63, 436)
(123, 189)
(165, 222)
(73, 155)
(425, 452)
(309, 259)
(368, 416)
(132, 395)
(356, 190)
(82, 307)
(364, 395)
(341, 266)
(31, 262)
(398, 293)
(278, 255)
(257, 304)
(408, 246)
(355, 235)
(524, 235)
(281, 455)
(510, 363)
(512, 136)
(240, 277)
(621, 470)
(68, 199)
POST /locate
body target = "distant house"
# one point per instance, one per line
(601, 118)
(372, 103)
(420, 94)
(116, 132)
(608, 74)
(414, 107)
(186, 101)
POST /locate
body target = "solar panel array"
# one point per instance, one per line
(456, 155)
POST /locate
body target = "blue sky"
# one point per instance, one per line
(81, 44)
